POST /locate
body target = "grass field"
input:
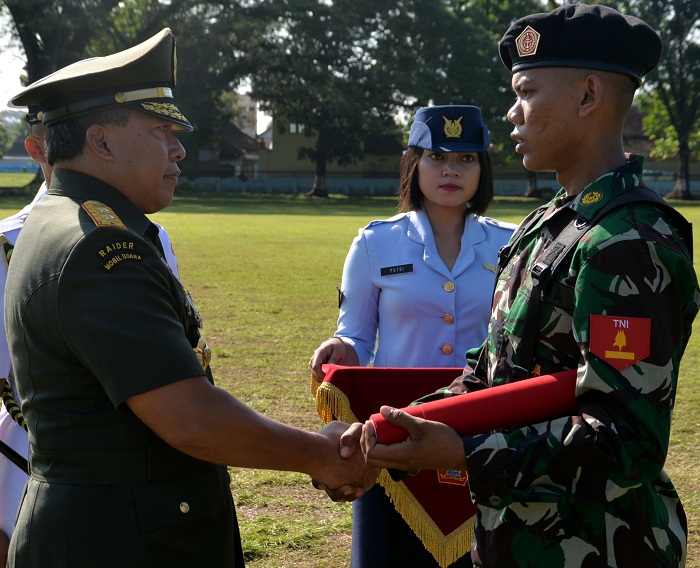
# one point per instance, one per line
(263, 271)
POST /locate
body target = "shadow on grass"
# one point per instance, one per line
(300, 204)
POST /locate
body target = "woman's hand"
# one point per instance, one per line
(332, 351)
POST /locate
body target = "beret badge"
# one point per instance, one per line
(527, 42)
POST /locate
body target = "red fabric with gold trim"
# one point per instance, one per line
(504, 406)
(620, 341)
(436, 505)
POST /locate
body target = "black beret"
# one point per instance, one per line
(585, 36)
(141, 77)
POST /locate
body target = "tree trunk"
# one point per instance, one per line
(531, 190)
(685, 171)
(681, 190)
(319, 187)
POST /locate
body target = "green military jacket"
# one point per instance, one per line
(588, 489)
(95, 316)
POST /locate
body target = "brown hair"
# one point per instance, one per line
(411, 197)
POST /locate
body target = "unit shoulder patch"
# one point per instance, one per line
(111, 254)
(102, 215)
(620, 341)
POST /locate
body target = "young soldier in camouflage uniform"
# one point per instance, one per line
(588, 489)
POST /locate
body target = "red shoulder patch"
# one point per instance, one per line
(453, 477)
(620, 341)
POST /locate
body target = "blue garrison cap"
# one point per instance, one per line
(449, 128)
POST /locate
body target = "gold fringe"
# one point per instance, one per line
(446, 549)
(332, 403)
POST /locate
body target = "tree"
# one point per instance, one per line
(55, 33)
(671, 96)
(310, 63)
(11, 128)
(344, 69)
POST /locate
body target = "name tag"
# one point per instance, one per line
(400, 269)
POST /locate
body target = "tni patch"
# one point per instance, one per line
(620, 341)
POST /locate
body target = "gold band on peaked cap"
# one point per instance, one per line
(141, 77)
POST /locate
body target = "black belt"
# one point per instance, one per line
(155, 462)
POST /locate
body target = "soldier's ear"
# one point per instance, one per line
(593, 90)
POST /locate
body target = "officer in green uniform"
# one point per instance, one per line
(129, 436)
(618, 305)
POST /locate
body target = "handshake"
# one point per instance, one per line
(429, 435)
(360, 458)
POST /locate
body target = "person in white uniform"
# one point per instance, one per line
(12, 434)
(416, 289)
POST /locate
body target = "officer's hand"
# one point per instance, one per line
(351, 477)
(430, 445)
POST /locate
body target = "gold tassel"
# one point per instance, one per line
(12, 407)
(446, 549)
(332, 403)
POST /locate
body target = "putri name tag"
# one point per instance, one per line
(399, 269)
(620, 341)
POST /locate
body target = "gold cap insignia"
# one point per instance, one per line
(527, 42)
(453, 128)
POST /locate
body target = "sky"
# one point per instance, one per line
(11, 66)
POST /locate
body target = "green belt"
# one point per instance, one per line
(155, 462)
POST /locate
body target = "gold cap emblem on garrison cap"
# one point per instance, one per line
(453, 128)
(527, 42)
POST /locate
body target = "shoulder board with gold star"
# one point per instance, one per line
(102, 215)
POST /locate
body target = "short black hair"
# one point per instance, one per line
(66, 140)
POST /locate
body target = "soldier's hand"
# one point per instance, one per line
(430, 445)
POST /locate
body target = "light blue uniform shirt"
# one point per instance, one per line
(397, 294)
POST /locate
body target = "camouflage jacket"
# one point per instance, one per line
(589, 489)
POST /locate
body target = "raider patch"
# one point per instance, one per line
(620, 341)
(115, 252)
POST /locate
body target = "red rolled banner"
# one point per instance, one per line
(504, 406)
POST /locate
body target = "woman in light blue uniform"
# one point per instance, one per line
(416, 290)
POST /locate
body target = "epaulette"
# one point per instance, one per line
(500, 224)
(102, 215)
(389, 220)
